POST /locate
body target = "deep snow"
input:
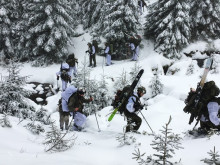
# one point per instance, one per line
(19, 146)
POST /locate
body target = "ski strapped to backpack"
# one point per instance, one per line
(129, 93)
(194, 102)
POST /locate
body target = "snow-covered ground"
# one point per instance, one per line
(19, 146)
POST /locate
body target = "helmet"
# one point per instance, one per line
(81, 91)
(141, 89)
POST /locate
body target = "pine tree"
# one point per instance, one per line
(190, 69)
(13, 96)
(6, 33)
(88, 12)
(165, 146)
(122, 81)
(125, 139)
(168, 25)
(118, 22)
(134, 71)
(155, 85)
(214, 158)
(204, 19)
(48, 30)
(4, 121)
(34, 128)
(42, 116)
(56, 142)
(98, 90)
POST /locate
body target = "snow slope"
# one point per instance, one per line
(19, 146)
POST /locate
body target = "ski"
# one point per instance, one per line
(133, 85)
(194, 96)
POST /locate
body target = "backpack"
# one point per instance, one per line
(120, 95)
(95, 44)
(209, 91)
(137, 40)
(69, 92)
(110, 49)
(64, 74)
(71, 60)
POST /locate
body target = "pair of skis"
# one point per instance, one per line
(130, 92)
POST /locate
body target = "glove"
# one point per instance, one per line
(69, 80)
(138, 107)
(58, 77)
(87, 51)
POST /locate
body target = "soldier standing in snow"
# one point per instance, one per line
(65, 75)
(134, 45)
(63, 108)
(91, 50)
(133, 106)
(108, 55)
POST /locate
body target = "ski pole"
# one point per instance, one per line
(146, 122)
(97, 122)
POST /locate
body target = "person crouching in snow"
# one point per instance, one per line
(75, 104)
(65, 75)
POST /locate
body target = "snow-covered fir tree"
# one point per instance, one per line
(89, 12)
(118, 22)
(48, 30)
(4, 121)
(167, 24)
(155, 85)
(96, 89)
(34, 127)
(164, 144)
(214, 160)
(134, 71)
(13, 95)
(42, 116)
(190, 69)
(55, 141)
(102, 93)
(125, 139)
(6, 22)
(122, 81)
(215, 65)
(204, 19)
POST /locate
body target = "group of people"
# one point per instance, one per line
(134, 42)
(71, 104)
(73, 99)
